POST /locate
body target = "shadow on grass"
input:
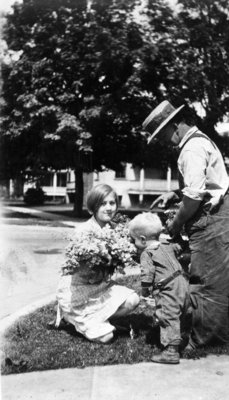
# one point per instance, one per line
(15, 214)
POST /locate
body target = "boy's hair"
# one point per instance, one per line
(146, 224)
(96, 196)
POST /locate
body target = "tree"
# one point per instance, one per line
(195, 68)
(72, 60)
(74, 98)
(207, 50)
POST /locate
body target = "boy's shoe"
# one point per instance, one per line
(169, 355)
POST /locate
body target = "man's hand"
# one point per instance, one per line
(163, 200)
(188, 207)
(173, 229)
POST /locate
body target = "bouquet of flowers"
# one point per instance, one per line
(109, 248)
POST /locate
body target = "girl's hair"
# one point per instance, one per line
(146, 224)
(96, 196)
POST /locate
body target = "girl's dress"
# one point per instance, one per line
(87, 300)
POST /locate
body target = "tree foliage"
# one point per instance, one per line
(89, 73)
(64, 94)
(196, 69)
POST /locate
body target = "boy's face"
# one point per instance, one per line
(139, 241)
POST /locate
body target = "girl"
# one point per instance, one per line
(88, 299)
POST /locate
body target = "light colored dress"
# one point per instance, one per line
(87, 299)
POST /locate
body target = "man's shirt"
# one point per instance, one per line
(202, 168)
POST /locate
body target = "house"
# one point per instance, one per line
(54, 184)
(135, 187)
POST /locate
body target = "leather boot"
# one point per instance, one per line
(170, 355)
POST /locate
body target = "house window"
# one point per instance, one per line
(174, 174)
(61, 179)
(47, 180)
(121, 172)
(155, 173)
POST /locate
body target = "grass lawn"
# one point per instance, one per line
(30, 344)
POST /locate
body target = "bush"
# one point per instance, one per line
(34, 196)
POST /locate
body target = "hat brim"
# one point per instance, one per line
(165, 122)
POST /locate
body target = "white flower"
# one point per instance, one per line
(97, 248)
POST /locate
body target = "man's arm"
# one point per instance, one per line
(188, 207)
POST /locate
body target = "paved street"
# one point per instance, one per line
(29, 255)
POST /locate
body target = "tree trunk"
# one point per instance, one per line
(78, 203)
(18, 187)
(5, 189)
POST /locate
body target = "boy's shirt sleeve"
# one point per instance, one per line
(147, 269)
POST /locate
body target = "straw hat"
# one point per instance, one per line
(160, 117)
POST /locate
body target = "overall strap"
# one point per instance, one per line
(161, 284)
(194, 135)
(197, 134)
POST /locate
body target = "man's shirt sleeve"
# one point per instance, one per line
(193, 168)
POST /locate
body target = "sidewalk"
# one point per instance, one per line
(204, 379)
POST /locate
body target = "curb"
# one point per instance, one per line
(6, 322)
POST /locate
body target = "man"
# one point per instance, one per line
(204, 212)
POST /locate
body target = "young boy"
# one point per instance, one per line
(161, 275)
